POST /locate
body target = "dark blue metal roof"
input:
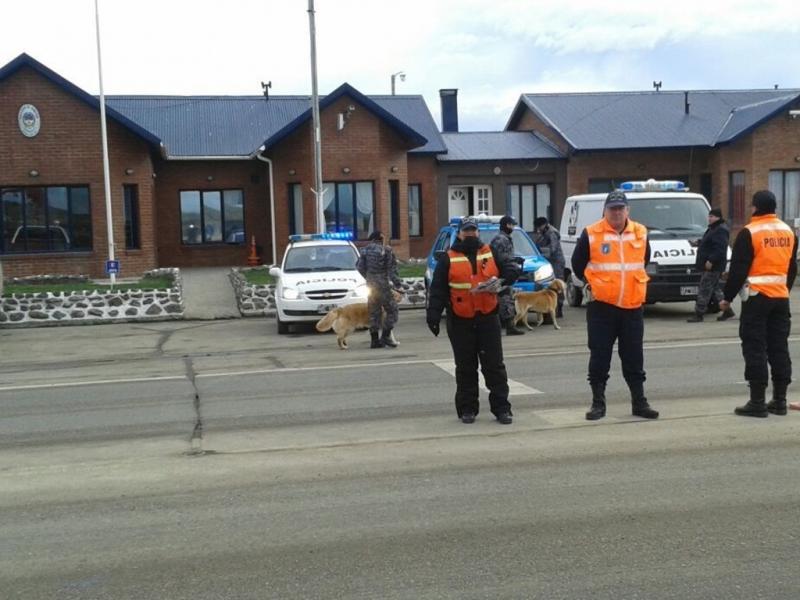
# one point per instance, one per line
(205, 126)
(496, 145)
(620, 120)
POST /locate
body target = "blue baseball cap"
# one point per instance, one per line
(616, 198)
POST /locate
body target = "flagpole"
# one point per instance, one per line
(106, 174)
(318, 191)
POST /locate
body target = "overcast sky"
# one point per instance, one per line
(491, 50)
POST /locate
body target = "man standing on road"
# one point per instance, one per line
(712, 256)
(764, 267)
(611, 255)
(473, 325)
(548, 240)
(378, 265)
(503, 249)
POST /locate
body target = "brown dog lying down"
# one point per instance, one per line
(346, 319)
(542, 302)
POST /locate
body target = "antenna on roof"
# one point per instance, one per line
(265, 89)
(657, 85)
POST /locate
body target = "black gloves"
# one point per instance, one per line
(520, 260)
(434, 327)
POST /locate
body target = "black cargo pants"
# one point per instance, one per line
(474, 341)
(606, 324)
(764, 327)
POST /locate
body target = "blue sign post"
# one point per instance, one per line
(112, 267)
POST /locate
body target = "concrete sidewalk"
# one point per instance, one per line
(208, 294)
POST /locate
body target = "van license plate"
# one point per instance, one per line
(324, 309)
(688, 290)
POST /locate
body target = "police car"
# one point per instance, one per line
(537, 272)
(674, 218)
(318, 273)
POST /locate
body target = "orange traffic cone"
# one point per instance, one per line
(253, 260)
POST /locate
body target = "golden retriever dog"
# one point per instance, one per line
(346, 319)
(542, 302)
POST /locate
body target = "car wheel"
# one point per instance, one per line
(283, 328)
(574, 294)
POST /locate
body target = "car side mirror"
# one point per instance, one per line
(439, 255)
(275, 271)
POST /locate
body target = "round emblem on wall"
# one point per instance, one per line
(29, 120)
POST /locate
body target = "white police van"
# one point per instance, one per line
(318, 273)
(673, 217)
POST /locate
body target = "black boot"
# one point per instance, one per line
(728, 314)
(756, 407)
(511, 329)
(598, 409)
(640, 407)
(387, 340)
(376, 341)
(697, 318)
(777, 406)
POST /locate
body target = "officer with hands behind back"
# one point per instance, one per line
(503, 249)
(764, 267)
(473, 325)
(378, 265)
(611, 255)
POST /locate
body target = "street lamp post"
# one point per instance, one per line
(402, 78)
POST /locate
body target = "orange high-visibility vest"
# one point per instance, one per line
(462, 280)
(773, 243)
(616, 264)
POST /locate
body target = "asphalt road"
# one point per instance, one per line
(219, 460)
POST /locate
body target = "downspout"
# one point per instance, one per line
(271, 200)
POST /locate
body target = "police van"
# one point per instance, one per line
(318, 273)
(674, 218)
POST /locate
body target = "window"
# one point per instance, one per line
(483, 199)
(394, 208)
(45, 219)
(295, 208)
(414, 209)
(526, 202)
(349, 207)
(736, 201)
(212, 217)
(786, 187)
(130, 195)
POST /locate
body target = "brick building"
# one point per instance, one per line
(195, 178)
(724, 144)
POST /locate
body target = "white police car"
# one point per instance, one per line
(318, 273)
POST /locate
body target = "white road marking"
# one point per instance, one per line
(515, 388)
(355, 365)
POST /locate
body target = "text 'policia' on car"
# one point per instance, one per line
(318, 273)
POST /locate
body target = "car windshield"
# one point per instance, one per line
(523, 246)
(671, 216)
(320, 258)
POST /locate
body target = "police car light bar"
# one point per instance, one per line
(479, 218)
(331, 235)
(651, 185)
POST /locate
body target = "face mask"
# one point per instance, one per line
(472, 243)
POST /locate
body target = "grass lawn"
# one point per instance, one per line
(411, 270)
(258, 276)
(145, 283)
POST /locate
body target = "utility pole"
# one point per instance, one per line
(104, 135)
(318, 191)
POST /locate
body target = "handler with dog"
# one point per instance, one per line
(465, 282)
(611, 255)
(378, 265)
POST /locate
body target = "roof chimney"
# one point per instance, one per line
(449, 99)
(686, 104)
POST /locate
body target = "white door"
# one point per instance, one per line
(458, 205)
(483, 199)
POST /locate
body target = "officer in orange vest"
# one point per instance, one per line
(473, 324)
(763, 270)
(611, 256)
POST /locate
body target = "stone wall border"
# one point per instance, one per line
(93, 307)
(259, 300)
